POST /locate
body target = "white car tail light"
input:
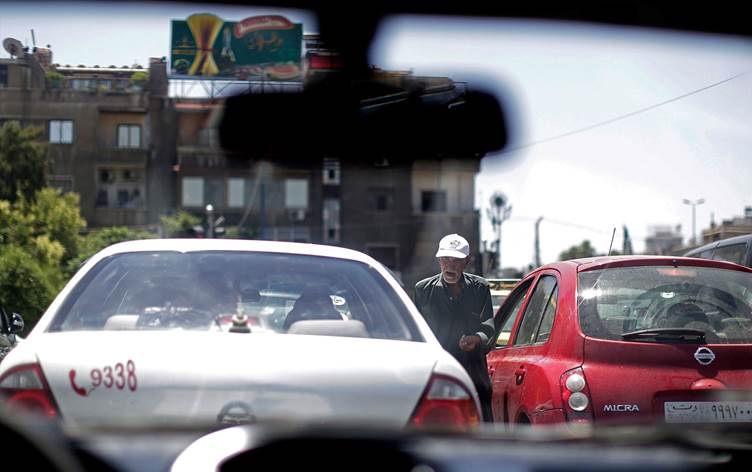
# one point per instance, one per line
(575, 396)
(446, 404)
(24, 389)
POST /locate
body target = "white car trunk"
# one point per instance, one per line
(181, 377)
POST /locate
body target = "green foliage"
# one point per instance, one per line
(138, 80)
(98, 240)
(584, 249)
(180, 225)
(54, 79)
(59, 217)
(27, 286)
(39, 227)
(23, 161)
(238, 232)
(139, 77)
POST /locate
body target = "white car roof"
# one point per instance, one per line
(194, 244)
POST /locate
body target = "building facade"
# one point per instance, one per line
(735, 226)
(134, 154)
(664, 240)
(107, 129)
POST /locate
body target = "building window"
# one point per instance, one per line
(130, 175)
(120, 188)
(330, 214)
(331, 171)
(433, 201)
(129, 136)
(296, 193)
(193, 191)
(209, 137)
(3, 75)
(214, 191)
(235, 192)
(61, 131)
(380, 199)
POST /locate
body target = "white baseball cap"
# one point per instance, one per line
(453, 245)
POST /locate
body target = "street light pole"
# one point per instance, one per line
(694, 204)
(210, 220)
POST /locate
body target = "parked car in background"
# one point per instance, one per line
(10, 326)
(737, 250)
(500, 290)
(678, 331)
(208, 331)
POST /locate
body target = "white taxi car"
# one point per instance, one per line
(188, 331)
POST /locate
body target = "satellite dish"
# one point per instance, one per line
(13, 46)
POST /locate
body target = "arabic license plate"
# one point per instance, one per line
(708, 412)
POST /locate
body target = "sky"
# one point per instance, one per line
(609, 126)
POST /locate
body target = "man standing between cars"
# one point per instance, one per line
(457, 307)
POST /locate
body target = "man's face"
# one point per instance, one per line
(451, 268)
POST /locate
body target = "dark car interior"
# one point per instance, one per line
(349, 29)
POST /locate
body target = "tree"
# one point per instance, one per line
(59, 217)
(584, 249)
(23, 162)
(98, 240)
(180, 225)
(26, 286)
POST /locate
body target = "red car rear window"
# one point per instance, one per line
(614, 302)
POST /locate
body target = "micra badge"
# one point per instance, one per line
(704, 356)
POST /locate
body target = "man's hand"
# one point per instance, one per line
(469, 343)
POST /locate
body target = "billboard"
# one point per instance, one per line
(257, 48)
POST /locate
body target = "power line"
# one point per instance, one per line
(573, 224)
(621, 117)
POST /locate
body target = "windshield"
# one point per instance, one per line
(204, 291)
(537, 141)
(612, 303)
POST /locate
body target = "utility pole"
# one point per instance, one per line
(537, 260)
(498, 213)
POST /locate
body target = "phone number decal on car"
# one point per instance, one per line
(119, 376)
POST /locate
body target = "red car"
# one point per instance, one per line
(626, 340)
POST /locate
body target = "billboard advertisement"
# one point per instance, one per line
(256, 48)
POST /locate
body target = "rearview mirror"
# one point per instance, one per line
(364, 121)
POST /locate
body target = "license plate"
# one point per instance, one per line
(708, 412)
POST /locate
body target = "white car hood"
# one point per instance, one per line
(181, 377)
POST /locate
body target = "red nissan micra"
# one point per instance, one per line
(626, 339)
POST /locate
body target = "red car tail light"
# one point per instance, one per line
(446, 404)
(575, 395)
(24, 389)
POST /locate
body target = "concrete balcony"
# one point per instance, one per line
(201, 156)
(122, 156)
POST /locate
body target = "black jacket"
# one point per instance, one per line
(470, 313)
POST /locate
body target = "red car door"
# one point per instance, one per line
(498, 370)
(518, 363)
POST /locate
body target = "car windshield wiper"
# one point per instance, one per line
(666, 335)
